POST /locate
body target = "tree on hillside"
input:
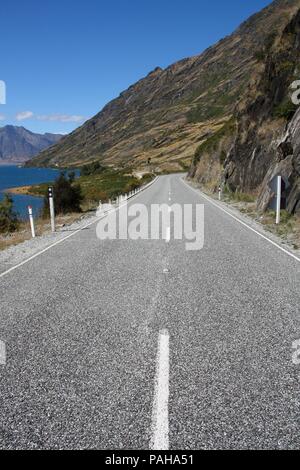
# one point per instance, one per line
(8, 218)
(94, 168)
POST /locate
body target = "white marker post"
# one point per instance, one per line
(52, 212)
(278, 205)
(31, 221)
(220, 192)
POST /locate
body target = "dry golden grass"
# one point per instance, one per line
(288, 229)
(19, 190)
(42, 226)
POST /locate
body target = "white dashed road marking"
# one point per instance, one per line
(160, 414)
(2, 353)
(168, 234)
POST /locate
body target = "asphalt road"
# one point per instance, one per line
(82, 322)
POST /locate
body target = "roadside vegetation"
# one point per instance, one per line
(96, 183)
(74, 198)
(288, 229)
(246, 203)
(211, 144)
(286, 109)
(8, 218)
(68, 196)
(42, 226)
(238, 196)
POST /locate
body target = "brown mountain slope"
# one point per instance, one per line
(165, 115)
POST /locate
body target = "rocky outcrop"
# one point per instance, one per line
(265, 140)
(262, 115)
(287, 165)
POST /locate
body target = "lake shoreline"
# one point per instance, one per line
(19, 183)
(7, 163)
(24, 190)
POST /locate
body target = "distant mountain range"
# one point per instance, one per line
(17, 144)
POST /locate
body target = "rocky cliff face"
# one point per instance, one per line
(257, 144)
(18, 145)
(166, 115)
(287, 164)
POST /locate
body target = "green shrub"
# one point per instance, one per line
(211, 144)
(8, 218)
(260, 55)
(243, 197)
(67, 196)
(238, 196)
(185, 166)
(94, 168)
(285, 110)
(222, 157)
(285, 216)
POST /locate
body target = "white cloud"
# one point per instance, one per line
(65, 118)
(61, 118)
(2, 117)
(23, 115)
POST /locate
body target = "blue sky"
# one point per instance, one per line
(62, 61)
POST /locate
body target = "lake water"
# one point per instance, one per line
(13, 176)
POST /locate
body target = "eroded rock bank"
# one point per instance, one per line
(287, 164)
(262, 137)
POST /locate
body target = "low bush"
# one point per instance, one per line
(94, 168)
(67, 196)
(285, 110)
(9, 221)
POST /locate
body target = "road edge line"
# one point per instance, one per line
(211, 201)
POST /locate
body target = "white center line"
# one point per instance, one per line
(160, 414)
(2, 353)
